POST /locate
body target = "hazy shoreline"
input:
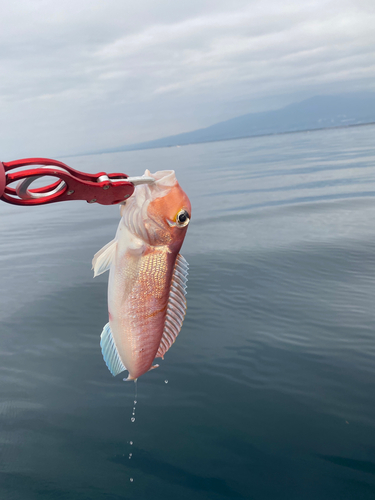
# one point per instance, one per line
(288, 132)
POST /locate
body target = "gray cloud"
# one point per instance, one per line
(91, 74)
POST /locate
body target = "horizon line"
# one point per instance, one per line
(109, 151)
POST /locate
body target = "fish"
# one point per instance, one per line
(147, 276)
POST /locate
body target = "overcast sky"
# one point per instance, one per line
(81, 75)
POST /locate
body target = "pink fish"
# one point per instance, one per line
(147, 278)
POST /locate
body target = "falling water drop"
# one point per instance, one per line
(165, 381)
(132, 418)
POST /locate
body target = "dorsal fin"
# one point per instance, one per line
(110, 353)
(176, 308)
(102, 260)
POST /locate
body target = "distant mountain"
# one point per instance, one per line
(314, 113)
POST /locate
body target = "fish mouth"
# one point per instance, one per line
(163, 178)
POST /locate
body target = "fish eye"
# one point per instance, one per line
(182, 218)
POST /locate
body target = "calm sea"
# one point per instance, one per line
(269, 390)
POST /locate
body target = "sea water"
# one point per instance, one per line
(271, 382)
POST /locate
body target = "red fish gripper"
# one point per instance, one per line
(2, 179)
(102, 188)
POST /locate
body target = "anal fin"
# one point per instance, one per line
(153, 367)
(110, 353)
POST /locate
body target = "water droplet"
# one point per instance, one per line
(135, 401)
(131, 479)
(165, 381)
(131, 443)
(132, 419)
(130, 455)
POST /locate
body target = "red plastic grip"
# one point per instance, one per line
(102, 188)
(2, 179)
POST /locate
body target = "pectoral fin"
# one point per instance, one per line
(102, 260)
(176, 308)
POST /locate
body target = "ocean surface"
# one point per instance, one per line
(269, 390)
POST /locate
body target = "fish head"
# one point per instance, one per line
(169, 210)
(159, 213)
